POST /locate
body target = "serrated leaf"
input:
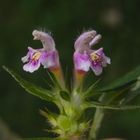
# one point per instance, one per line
(110, 107)
(128, 79)
(31, 88)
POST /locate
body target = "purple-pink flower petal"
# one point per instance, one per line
(49, 59)
(98, 61)
(32, 60)
(31, 66)
(81, 61)
(37, 57)
(97, 69)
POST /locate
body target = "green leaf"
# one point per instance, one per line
(128, 79)
(31, 88)
(90, 91)
(111, 107)
(131, 95)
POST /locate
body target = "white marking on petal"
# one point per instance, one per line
(25, 58)
(108, 60)
(30, 67)
(84, 66)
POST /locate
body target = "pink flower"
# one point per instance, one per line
(46, 56)
(86, 58)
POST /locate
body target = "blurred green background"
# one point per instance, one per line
(117, 20)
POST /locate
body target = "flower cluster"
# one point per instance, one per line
(84, 56)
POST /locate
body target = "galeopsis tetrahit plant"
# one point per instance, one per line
(71, 123)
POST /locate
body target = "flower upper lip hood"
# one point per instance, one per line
(86, 40)
(47, 41)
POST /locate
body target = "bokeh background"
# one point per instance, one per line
(117, 20)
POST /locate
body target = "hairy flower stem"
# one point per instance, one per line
(59, 76)
(99, 114)
(79, 76)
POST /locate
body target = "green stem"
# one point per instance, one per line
(99, 114)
